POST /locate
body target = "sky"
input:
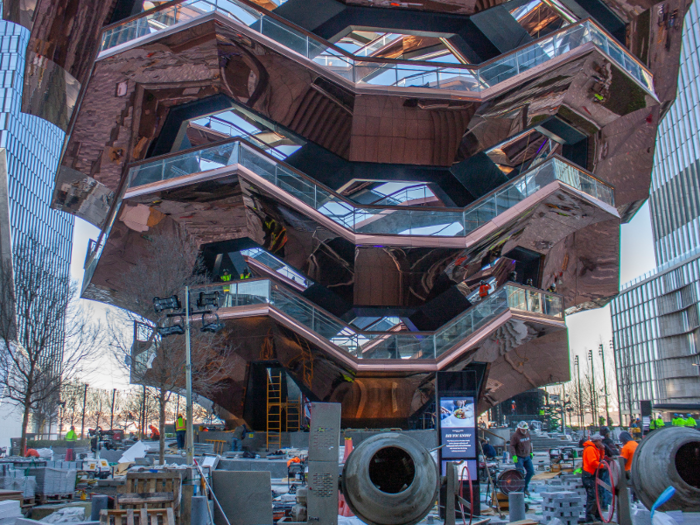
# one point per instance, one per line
(586, 329)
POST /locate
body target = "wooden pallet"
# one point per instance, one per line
(54, 498)
(28, 502)
(138, 517)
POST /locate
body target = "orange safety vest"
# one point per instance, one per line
(180, 424)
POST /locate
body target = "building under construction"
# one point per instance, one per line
(403, 187)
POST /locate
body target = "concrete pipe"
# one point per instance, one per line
(390, 479)
(668, 457)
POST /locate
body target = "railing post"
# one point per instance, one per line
(434, 336)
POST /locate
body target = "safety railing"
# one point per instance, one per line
(370, 219)
(388, 345)
(379, 71)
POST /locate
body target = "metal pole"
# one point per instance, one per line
(142, 423)
(561, 403)
(111, 416)
(189, 436)
(82, 426)
(594, 391)
(582, 419)
(605, 383)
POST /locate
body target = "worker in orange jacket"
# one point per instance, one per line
(593, 453)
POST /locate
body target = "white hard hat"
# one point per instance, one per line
(523, 425)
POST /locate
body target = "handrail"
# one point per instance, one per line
(347, 54)
(326, 45)
(301, 174)
(511, 296)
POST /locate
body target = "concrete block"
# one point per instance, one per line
(246, 497)
(276, 467)
(10, 508)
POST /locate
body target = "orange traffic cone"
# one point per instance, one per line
(343, 508)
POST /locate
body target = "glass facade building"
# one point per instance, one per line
(655, 318)
(33, 148)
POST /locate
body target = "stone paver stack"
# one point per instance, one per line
(565, 506)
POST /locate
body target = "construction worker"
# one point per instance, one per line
(155, 434)
(238, 437)
(71, 435)
(678, 421)
(610, 452)
(226, 276)
(629, 445)
(522, 452)
(593, 451)
(180, 431)
(690, 421)
(246, 274)
(484, 289)
(657, 423)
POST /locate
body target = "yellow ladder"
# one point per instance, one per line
(294, 415)
(274, 409)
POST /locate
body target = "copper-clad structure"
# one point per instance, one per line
(370, 165)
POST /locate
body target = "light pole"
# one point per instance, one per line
(173, 303)
(605, 383)
(82, 426)
(189, 436)
(594, 391)
(581, 418)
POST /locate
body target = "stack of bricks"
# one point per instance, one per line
(564, 506)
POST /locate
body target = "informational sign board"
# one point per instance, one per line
(458, 439)
(458, 428)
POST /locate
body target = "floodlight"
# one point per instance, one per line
(169, 303)
(208, 300)
(211, 327)
(176, 329)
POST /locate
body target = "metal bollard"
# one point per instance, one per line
(200, 511)
(99, 502)
(516, 506)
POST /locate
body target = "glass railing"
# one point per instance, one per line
(277, 265)
(388, 345)
(385, 72)
(364, 219)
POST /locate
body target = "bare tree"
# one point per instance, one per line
(44, 334)
(172, 263)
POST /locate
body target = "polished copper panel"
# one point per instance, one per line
(82, 196)
(377, 392)
(374, 127)
(385, 270)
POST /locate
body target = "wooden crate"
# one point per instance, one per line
(150, 490)
(137, 517)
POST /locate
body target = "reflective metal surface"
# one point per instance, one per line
(50, 92)
(575, 91)
(389, 73)
(82, 196)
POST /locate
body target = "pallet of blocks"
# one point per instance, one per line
(56, 481)
(137, 517)
(565, 506)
